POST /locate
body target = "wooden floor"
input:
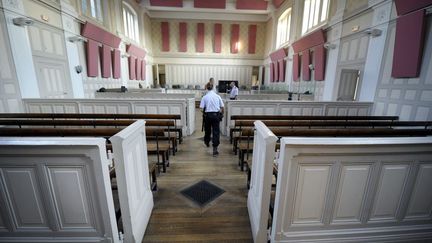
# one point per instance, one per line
(176, 219)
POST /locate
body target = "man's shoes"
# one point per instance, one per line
(215, 152)
(207, 144)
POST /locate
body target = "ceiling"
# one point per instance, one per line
(230, 10)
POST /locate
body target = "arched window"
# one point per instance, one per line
(283, 28)
(315, 13)
(92, 8)
(130, 22)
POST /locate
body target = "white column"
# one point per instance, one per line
(376, 48)
(21, 49)
(333, 37)
(72, 29)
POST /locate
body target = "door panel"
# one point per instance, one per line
(53, 81)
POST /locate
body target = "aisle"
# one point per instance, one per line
(176, 219)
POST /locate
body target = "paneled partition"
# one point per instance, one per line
(59, 189)
(278, 107)
(348, 189)
(183, 107)
(142, 95)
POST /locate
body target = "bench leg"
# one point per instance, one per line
(167, 159)
(248, 177)
(153, 181)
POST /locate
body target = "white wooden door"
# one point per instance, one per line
(52, 78)
(50, 60)
(133, 180)
(261, 180)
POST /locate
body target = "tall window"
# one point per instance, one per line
(283, 28)
(92, 8)
(314, 14)
(130, 22)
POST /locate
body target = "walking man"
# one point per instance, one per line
(213, 108)
(233, 92)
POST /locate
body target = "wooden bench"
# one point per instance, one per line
(158, 149)
(81, 116)
(263, 118)
(326, 124)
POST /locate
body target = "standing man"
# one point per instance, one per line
(213, 107)
(233, 92)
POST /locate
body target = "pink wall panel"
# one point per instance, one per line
(106, 61)
(132, 68)
(407, 6)
(235, 33)
(272, 72)
(183, 37)
(210, 4)
(200, 38)
(281, 65)
(93, 32)
(165, 36)
(138, 67)
(92, 58)
(278, 3)
(251, 4)
(279, 54)
(167, 3)
(408, 48)
(313, 39)
(296, 67)
(252, 38)
(217, 48)
(116, 63)
(143, 70)
(135, 51)
(306, 75)
(320, 62)
(276, 71)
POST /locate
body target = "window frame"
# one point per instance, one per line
(286, 17)
(130, 23)
(94, 10)
(316, 19)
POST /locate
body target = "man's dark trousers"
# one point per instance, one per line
(212, 126)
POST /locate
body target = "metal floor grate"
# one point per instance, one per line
(202, 192)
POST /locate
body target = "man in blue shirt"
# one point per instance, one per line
(233, 92)
(213, 108)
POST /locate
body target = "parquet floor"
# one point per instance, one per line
(176, 219)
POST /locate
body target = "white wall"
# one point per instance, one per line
(410, 98)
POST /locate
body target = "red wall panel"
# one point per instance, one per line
(281, 64)
(132, 68)
(93, 32)
(92, 58)
(313, 39)
(210, 4)
(279, 54)
(272, 72)
(165, 36)
(106, 61)
(217, 48)
(200, 38)
(320, 61)
(167, 3)
(116, 63)
(407, 6)
(408, 48)
(276, 71)
(183, 37)
(306, 75)
(235, 33)
(252, 38)
(278, 3)
(138, 67)
(135, 51)
(296, 67)
(251, 4)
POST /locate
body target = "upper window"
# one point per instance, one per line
(92, 8)
(283, 28)
(130, 21)
(314, 14)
